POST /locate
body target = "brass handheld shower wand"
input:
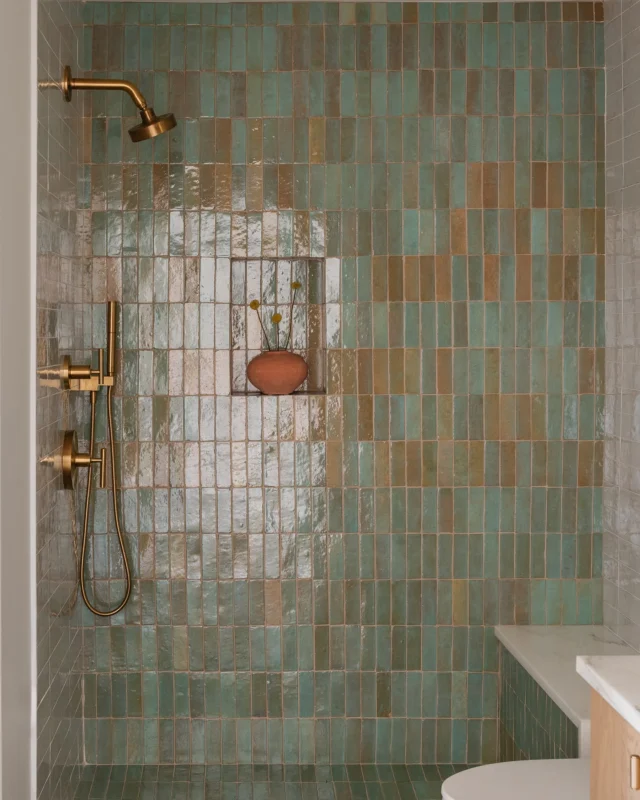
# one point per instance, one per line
(109, 373)
(84, 378)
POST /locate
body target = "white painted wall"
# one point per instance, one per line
(17, 414)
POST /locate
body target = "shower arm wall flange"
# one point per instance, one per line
(69, 83)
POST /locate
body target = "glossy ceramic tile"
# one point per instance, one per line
(531, 724)
(63, 313)
(621, 494)
(284, 782)
(317, 578)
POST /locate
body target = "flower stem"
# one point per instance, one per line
(293, 300)
(266, 338)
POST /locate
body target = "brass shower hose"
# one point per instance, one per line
(116, 515)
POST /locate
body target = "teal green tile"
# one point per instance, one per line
(370, 211)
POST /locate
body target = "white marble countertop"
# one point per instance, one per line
(617, 680)
(549, 653)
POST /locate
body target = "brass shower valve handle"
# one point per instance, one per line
(71, 459)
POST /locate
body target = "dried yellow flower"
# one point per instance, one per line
(296, 285)
(254, 304)
(276, 319)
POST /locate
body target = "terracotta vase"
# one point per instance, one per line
(277, 371)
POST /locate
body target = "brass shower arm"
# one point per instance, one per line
(151, 126)
(69, 84)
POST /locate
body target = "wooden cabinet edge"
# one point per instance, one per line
(613, 743)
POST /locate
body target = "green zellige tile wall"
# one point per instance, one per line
(317, 577)
(531, 724)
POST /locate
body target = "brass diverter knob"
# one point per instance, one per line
(70, 459)
(84, 378)
(69, 372)
(77, 377)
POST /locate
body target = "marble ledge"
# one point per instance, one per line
(549, 653)
(617, 680)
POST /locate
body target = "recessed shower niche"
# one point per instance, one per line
(289, 291)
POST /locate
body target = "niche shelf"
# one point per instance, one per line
(269, 280)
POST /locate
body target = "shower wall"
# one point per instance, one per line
(622, 458)
(318, 577)
(62, 310)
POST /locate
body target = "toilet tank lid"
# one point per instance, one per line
(553, 779)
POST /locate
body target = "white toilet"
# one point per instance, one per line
(554, 779)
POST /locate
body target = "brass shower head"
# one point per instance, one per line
(151, 124)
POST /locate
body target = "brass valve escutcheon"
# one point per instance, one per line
(71, 459)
